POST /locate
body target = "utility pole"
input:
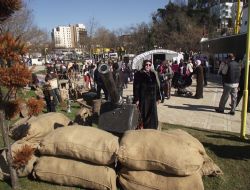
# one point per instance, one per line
(237, 24)
(245, 92)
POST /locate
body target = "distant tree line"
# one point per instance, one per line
(176, 26)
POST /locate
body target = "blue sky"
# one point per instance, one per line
(111, 14)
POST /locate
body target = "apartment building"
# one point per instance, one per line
(226, 11)
(71, 36)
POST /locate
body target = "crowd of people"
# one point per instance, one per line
(151, 85)
(88, 73)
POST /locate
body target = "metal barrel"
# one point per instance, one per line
(108, 80)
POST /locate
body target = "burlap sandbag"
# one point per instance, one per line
(209, 168)
(75, 173)
(154, 150)
(83, 143)
(146, 180)
(189, 139)
(27, 165)
(35, 129)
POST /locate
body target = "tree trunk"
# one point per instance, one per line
(1, 95)
(13, 175)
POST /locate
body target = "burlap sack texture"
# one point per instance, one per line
(83, 143)
(75, 173)
(35, 129)
(146, 180)
(189, 139)
(23, 171)
(154, 150)
(209, 168)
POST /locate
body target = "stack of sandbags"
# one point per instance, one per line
(152, 159)
(78, 156)
(28, 132)
(34, 129)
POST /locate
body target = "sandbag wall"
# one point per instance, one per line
(152, 159)
(84, 156)
(78, 156)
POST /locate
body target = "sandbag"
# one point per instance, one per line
(189, 139)
(75, 173)
(209, 168)
(35, 129)
(146, 180)
(83, 143)
(27, 165)
(154, 150)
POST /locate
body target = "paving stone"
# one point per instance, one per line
(199, 113)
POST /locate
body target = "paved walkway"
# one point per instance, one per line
(199, 113)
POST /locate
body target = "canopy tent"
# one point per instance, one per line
(168, 55)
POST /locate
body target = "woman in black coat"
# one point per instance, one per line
(147, 94)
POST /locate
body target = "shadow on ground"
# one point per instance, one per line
(192, 107)
(229, 151)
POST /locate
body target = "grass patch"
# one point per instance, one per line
(227, 150)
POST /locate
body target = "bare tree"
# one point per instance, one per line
(141, 38)
(105, 38)
(91, 28)
(21, 25)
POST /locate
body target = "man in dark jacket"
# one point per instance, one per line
(230, 86)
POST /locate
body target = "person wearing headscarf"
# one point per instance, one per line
(146, 92)
(199, 78)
